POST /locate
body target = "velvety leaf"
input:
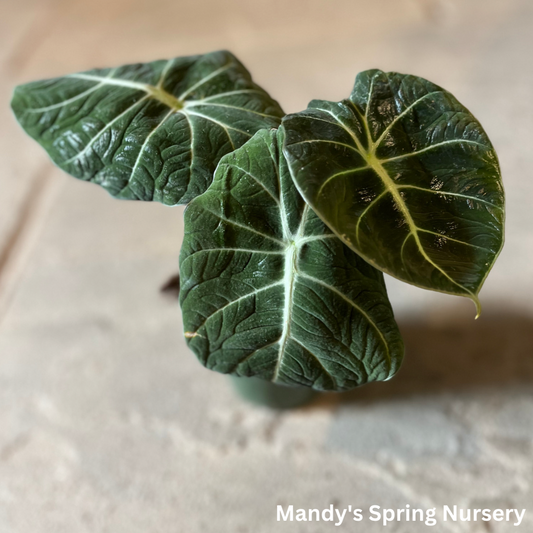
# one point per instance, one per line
(268, 290)
(152, 131)
(405, 176)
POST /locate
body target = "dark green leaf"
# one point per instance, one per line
(405, 176)
(153, 131)
(268, 290)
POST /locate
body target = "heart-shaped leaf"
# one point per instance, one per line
(268, 290)
(405, 176)
(153, 131)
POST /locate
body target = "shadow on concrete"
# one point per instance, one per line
(455, 354)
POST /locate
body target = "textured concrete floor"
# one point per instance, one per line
(108, 423)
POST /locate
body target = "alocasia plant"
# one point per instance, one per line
(290, 222)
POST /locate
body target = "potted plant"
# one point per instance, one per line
(291, 219)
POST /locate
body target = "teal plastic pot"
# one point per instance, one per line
(267, 394)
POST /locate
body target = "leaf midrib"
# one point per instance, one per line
(389, 184)
(376, 165)
(175, 105)
(156, 92)
(291, 273)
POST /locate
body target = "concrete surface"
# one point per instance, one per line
(109, 424)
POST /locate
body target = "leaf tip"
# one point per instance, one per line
(477, 303)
